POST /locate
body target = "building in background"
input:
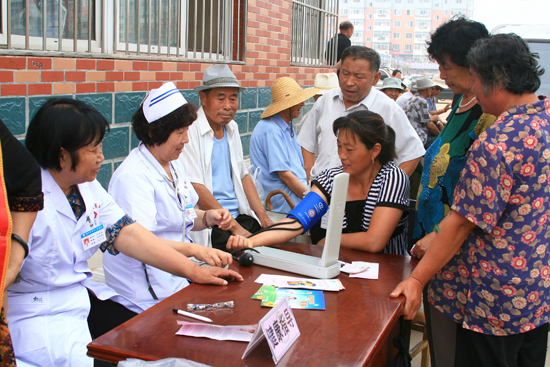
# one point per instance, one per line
(109, 53)
(398, 29)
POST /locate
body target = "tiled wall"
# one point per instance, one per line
(117, 86)
(118, 108)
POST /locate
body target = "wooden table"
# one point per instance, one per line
(356, 329)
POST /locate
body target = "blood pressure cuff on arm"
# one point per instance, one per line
(309, 210)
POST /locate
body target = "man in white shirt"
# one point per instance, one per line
(214, 162)
(358, 74)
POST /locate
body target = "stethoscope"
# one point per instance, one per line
(174, 184)
(181, 201)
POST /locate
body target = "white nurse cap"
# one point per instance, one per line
(162, 101)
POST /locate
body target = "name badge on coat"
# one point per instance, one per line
(93, 237)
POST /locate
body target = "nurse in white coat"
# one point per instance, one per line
(152, 188)
(49, 306)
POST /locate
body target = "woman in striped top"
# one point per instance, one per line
(375, 218)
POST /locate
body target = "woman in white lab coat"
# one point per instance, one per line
(152, 188)
(49, 305)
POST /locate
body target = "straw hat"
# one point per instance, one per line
(439, 82)
(285, 93)
(423, 83)
(391, 83)
(162, 101)
(218, 76)
(325, 82)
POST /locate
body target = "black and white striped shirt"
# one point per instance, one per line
(390, 189)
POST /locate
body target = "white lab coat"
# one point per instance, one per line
(48, 308)
(140, 189)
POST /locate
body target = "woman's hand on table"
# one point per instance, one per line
(213, 257)
(214, 275)
(237, 242)
(422, 245)
(411, 288)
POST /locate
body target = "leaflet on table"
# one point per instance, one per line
(281, 281)
(263, 289)
(361, 269)
(240, 333)
(297, 298)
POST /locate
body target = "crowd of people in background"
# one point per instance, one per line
(184, 197)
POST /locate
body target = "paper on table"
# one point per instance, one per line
(282, 281)
(297, 298)
(370, 273)
(355, 267)
(240, 333)
(269, 279)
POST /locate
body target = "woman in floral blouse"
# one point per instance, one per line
(489, 260)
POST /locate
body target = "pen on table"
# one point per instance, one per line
(192, 315)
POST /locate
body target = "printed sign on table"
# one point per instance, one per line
(280, 329)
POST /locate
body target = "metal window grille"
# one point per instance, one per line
(314, 23)
(165, 29)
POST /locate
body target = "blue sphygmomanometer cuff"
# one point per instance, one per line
(309, 210)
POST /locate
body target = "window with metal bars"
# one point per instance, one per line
(193, 29)
(314, 23)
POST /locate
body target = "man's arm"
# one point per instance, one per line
(254, 200)
(206, 198)
(409, 166)
(441, 110)
(308, 137)
(208, 201)
(309, 161)
(408, 146)
(292, 182)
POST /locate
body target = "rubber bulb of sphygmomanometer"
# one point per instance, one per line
(246, 259)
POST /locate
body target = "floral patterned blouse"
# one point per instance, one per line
(498, 282)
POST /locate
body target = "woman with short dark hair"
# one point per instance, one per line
(375, 217)
(55, 307)
(151, 186)
(448, 46)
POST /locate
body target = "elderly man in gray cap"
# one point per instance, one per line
(418, 112)
(392, 88)
(214, 162)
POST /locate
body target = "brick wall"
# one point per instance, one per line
(116, 87)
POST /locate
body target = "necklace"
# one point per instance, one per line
(466, 104)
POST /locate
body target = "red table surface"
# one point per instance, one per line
(356, 329)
